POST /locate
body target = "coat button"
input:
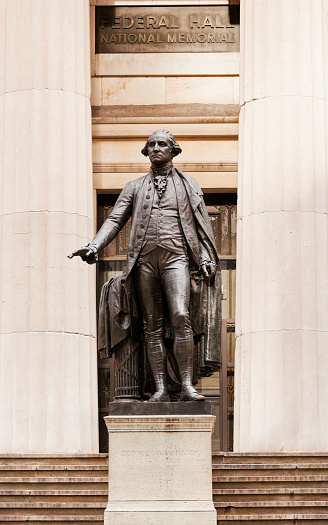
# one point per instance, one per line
(139, 236)
(144, 215)
(142, 226)
(131, 254)
(147, 196)
(145, 206)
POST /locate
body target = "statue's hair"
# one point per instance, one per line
(176, 150)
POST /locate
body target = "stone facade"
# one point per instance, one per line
(48, 382)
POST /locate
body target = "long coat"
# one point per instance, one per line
(136, 201)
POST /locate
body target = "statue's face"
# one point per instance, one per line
(159, 149)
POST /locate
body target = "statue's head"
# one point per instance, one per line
(161, 147)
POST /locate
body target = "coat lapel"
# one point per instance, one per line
(194, 198)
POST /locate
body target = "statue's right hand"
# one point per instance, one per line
(86, 253)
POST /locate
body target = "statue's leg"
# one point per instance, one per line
(149, 290)
(176, 285)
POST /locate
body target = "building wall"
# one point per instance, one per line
(193, 95)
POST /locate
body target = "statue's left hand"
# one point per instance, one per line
(208, 269)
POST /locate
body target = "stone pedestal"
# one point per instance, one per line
(160, 470)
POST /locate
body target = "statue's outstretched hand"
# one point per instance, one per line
(208, 269)
(86, 253)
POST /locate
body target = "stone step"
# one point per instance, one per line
(28, 467)
(53, 518)
(53, 479)
(273, 519)
(270, 466)
(19, 470)
(270, 494)
(263, 508)
(53, 505)
(286, 481)
(264, 504)
(53, 459)
(267, 472)
(81, 508)
(247, 488)
(265, 458)
(53, 495)
(53, 482)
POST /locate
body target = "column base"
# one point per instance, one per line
(160, 470)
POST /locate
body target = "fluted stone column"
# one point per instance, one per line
(48, 382)
(281, 399)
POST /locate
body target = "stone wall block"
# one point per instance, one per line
(273, 391)
(244, 275)
(200, 90)
(324, 33)
(133, 90)
(257, 382)
(239, 276)
(20, 391)
(308, 311)
(290, 272)
(292, 39)
(242, 412)
(28, 366)
(290, 152)
(258, 269)
(278, 376)
(6, 392)
(284, 167)
(322, 389)
(321, 270)
(95, 97)
(257, 202)
(55, 154)
(245, 164)
(36, 262)
(273, 271)
(53, 39)
(291, 371)
(37, 385)
(309, 396)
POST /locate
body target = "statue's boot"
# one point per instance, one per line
(184, 352)
(157, 359)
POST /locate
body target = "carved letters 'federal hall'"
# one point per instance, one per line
(167, 29)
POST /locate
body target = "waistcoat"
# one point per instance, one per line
(164, 227)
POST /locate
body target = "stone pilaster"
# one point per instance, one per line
(48, 382)
(282, 262)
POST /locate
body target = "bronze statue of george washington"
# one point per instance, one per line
(171, 280)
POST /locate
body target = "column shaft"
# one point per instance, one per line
(282, 262)
(48, 371)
